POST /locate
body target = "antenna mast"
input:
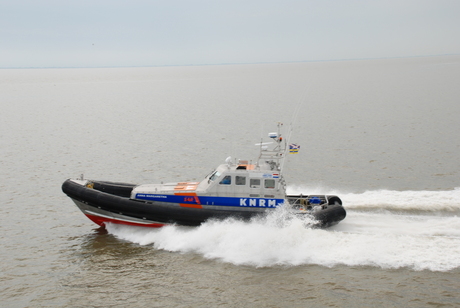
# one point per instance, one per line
(291, 125)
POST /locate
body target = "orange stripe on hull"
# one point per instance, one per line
(102, 220)
(195, 206)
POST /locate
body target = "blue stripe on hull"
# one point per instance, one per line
(205, 200)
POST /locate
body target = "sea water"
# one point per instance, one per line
(380, 134)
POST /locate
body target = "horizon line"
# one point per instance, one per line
(230, 63)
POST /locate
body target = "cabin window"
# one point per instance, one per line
(254, 183)
(214, 176)
(227, 180)
(240, 180)
(269, 183)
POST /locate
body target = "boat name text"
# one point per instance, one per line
(257, 202)
(150, 196)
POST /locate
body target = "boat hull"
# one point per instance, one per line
(107, 202)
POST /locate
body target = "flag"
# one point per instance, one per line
(294, 148)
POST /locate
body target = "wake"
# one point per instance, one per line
(365, 238)
(398, 201)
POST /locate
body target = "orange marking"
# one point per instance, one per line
(248, 167)
(186, 186)
(190, 197)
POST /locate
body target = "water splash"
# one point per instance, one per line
(382, 239)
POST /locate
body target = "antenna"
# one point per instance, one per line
(291, 125)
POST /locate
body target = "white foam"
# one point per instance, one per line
(364, 238)
(430, 201)
(425, 201)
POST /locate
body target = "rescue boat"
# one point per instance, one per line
(238, 188)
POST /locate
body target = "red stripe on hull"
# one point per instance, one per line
(102, 220)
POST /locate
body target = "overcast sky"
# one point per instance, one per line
(93, 33)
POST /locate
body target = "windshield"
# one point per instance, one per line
(214, 176)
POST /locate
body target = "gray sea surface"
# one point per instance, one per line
(382, 134)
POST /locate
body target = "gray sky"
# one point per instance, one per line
(89, 33)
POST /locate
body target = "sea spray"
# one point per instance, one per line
(382, 239)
